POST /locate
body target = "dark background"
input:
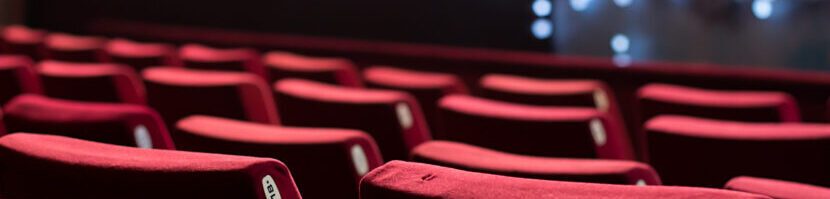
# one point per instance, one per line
(498, 24)
(797, 35)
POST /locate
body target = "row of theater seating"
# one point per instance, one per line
(42, 166)
(808, 88)
(394, 119)
(178, 93)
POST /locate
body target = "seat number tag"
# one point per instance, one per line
(270, 188)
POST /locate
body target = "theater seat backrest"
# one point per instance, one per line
(21, 40)
(45, 166)
(392, 118)
(472, 158)
(326, 163)
(554, 92)
(179, 92)
(140, 55)
(17, 76)
(778, 189)
(704, 152)
(404, 180)
(97, 82)
(121, 124)
(531, 130)
(751, 106)
(339, 71)
(427, 87)
(66, 47)
(225, 59)
(549, 92)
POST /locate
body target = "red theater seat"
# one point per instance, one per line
(45, 166)
(392, 118)
(751, 106)
(777, 188)
(22, 40)
(326, 163)
(230, 59)
(140, 55)
(472, 158)
(178, 92)
(426, 87)
(75, 48)
(17, 76)
(549, 92)
(531, 130)
(98, 82)
(404, 180)
(704, 152)
(121, 124)
(341, 71)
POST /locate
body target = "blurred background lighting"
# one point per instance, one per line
(580, 5)
(623, 3)
(542, 8)
(542, 28)
(620, 43)
(762, 9)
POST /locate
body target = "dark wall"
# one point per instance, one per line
(497, 24)
(11, 11)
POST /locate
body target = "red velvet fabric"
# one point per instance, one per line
(17, 76)
(550, 92)
(392, 118)
(426, 87)
(321, 159)
(777, 189)
(332, 70)
(179, 92)
(739, 105)
(404, 180)
(22, 40)
(410, 79)
(531, 130)
(478, 159)
(807, 88)
(103, 122)
(99, 82)
(553, 92)
(227, 59)
(44, 166)
(140, 55)
(705, 152)
(66, 47)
